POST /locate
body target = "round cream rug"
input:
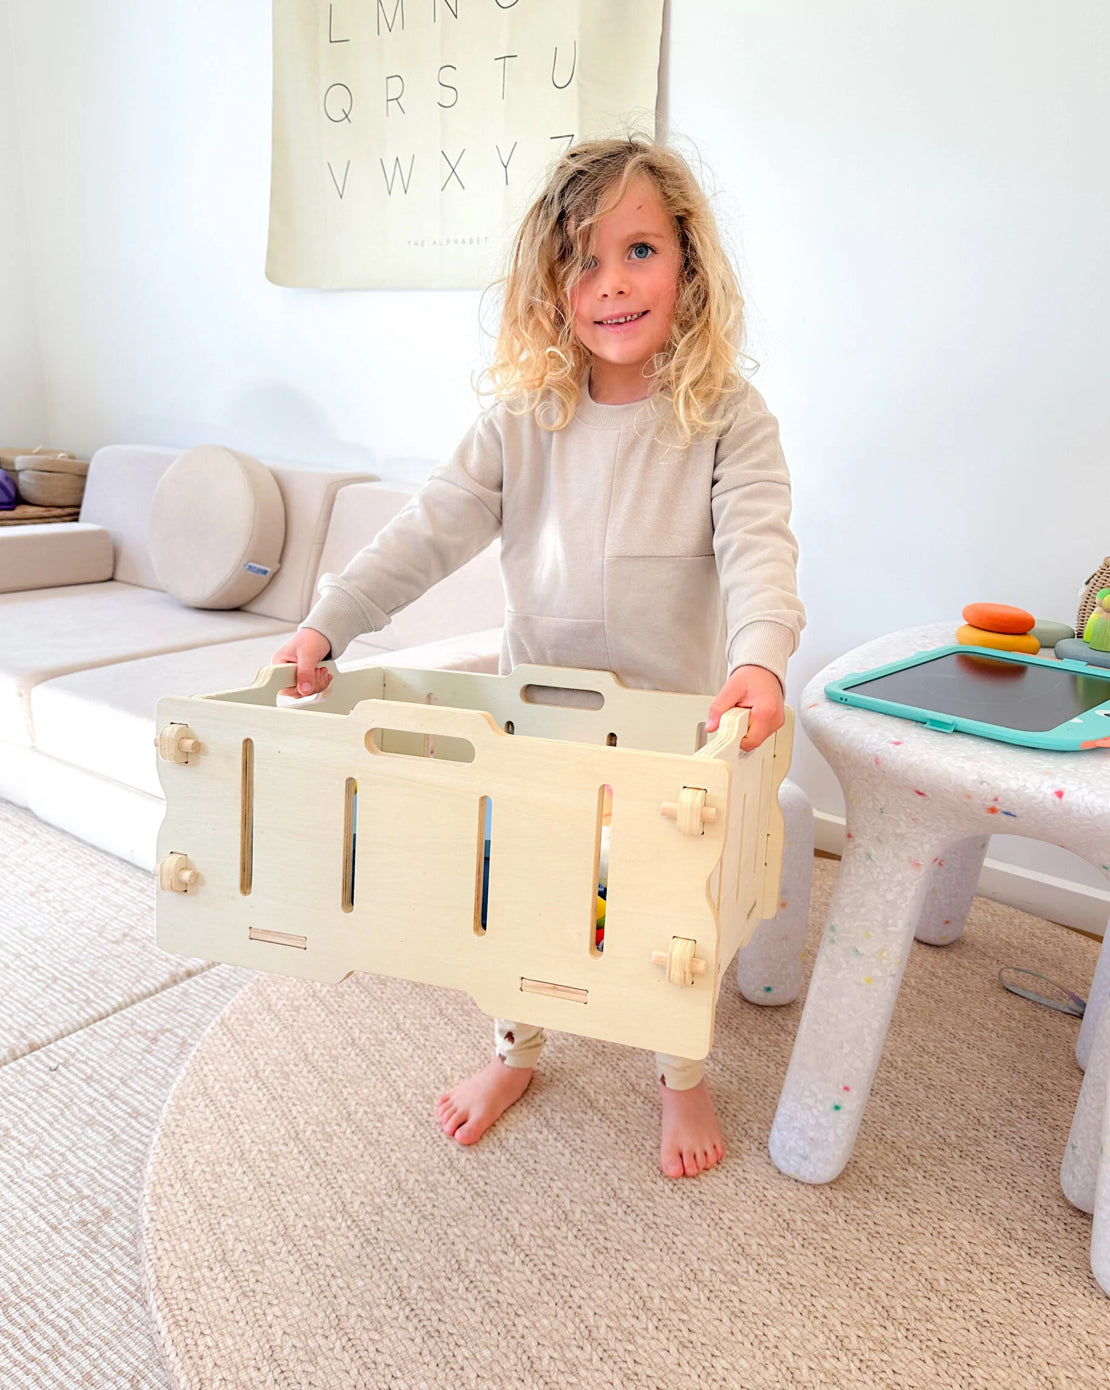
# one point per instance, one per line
(306, 1224)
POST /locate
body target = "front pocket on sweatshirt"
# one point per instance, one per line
(664, 621)
(537, 640)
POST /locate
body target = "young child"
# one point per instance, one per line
(638, 487)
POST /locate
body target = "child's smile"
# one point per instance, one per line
(623, 305)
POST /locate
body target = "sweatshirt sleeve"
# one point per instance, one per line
(755, 549)
(456, 514)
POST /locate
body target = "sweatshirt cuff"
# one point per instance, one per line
(766, 644)
(342, 615)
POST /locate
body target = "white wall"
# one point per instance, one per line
(917, 192)
(22, 399)
(920, 192)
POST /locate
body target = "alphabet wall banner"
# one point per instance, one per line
(410, 136)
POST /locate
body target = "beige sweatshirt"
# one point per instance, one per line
(664, 565)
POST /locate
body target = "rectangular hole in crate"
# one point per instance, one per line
(562, 697)
(392, 743)
(600, 879)
(554, 991)
(744, 849)
(481, 869)
(429, 739)
(278, 938)
(350, 835)
(246, 817)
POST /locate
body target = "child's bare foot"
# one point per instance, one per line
(691, 1138)
(468, 1109)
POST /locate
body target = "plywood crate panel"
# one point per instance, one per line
(348, 833)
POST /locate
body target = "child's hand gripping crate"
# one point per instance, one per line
(363, 831)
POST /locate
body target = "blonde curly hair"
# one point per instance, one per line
(538, 362)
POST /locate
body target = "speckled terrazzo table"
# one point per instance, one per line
(921, 806)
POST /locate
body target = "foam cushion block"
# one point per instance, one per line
(217, 526)
(998, 617)
(1000, 641)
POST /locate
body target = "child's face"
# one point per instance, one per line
(632, 277)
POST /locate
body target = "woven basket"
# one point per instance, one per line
(48, 478)
(1099, 580)
(44, 489)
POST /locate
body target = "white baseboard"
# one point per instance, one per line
(1058, 899)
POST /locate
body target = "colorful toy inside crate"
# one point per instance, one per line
(454, 828)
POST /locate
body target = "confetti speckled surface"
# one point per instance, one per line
(769, 968)
(921, 806)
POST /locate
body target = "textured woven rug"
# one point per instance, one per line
(95, 1026)
(305, 1224)
(76, 936)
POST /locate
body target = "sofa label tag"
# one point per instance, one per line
(252, 568)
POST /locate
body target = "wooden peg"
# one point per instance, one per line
(176, 874)
(681, 963)
(690, 811)
(175, 742)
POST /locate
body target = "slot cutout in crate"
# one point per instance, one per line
(372, 846)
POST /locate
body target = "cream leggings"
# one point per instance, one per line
(520, 1044)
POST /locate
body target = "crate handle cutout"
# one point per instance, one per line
(246, 818)
(350, 830)
(452, 750)
(565, 696)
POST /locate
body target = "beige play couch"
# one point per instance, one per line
(91, 642)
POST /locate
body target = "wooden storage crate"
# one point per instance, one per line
(348, 833)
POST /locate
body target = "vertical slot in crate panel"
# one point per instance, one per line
(246, 818)
(350, 831)
(482, 867)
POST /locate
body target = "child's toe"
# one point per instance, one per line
(672, 1165)
(467, 1133)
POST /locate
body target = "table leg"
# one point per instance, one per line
(1096, 1003)
(1079, 1170)
(769, 968)
(952, 884)
(1085, 1171)
(1100, 1233)
(875, 908)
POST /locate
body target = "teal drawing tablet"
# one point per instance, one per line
(1039, 703)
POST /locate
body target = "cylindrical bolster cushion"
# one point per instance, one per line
(217, 526)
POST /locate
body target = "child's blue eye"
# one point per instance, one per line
(642, 246)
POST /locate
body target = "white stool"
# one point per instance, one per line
(1085, 1171)
(769, 967)
(920, 807)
